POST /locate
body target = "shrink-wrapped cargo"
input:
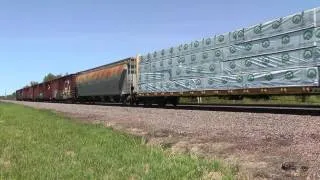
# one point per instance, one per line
(308, 76)
(277, 53)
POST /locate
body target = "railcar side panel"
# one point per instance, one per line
(106, 81)
(50, 90)
(38, 92)
(66, 88)
(60, 89)
(19, 95)
(27, 94)
(47, 91)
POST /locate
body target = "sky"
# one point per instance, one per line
(67, 36)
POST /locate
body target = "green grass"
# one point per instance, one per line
(39, 144)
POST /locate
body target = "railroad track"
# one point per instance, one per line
(254, 108)
(313, 110)
(296, 110)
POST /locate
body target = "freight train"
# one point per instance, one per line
(279, 57)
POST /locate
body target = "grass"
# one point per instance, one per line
(39, 144)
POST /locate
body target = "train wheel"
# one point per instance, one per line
(162, 102)
(124, 102)
(174, 101)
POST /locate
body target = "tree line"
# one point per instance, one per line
(46, 78)
(9, 97)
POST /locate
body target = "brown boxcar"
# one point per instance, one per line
(60, 89)
(51, 90)
(27, 93)
(54, 89)
(66, 88)
(47, 95)
(30, 94)
(23, 93)
(38, 92)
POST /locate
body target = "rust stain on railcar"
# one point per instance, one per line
(100, 74)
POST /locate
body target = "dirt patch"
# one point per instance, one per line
(6, 164)
(70, 153)
(213, 175)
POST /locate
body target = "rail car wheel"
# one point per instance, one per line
(128, 100)
(147, 103)
(174, 101)
(131, 100)
(162, 102)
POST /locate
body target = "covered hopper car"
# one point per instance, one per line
(112, 82)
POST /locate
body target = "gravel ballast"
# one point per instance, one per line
(264, 145)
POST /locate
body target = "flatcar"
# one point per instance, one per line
(278, 57)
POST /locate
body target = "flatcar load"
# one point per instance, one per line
(264, 58)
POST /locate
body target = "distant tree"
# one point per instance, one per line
(49, 77)
(33, 83)
(10, 97)
(58, 76)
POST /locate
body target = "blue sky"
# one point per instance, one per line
(42, 36)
